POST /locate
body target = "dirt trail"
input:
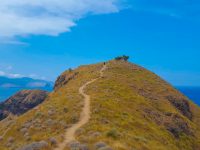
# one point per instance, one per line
(85, 114)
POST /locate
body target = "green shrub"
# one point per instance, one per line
(38, 114)
(70, 69)
(65, 110)
(113, 133)
(124, 57)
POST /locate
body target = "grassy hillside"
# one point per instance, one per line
(132, 109)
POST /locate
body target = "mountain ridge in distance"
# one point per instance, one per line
(23, 82)
(10, 86)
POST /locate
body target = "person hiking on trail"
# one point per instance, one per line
(104, 63)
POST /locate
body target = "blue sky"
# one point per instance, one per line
(162, 36)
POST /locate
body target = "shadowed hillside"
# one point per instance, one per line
(131, 109)
(21, 102)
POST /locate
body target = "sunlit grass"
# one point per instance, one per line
(119, 105)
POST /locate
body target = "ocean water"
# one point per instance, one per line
(191, 92)
(7, 92)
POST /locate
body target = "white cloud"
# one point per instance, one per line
(11, 75)
(17, 75)
(11, 41)
(2, 73)
(48, 17)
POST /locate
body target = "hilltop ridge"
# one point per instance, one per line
(131, 108)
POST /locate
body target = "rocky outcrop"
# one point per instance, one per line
(64, 79)
(21, 102)
(172, 122)
(177, 125)
(35, 146)
(182, 105)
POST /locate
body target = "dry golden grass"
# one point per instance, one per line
(118, 111)
(120, 103)
(45, 124)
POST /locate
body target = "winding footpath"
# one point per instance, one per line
(85, 114)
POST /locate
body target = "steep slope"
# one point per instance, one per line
(21, 102)
(134, 108)
(59, 111)
(131, 108)
(85, 114)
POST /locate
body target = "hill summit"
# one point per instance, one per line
(115, 105)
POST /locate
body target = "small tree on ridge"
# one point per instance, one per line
(124, 58)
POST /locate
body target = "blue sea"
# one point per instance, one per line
(192, 92)
(7, 92)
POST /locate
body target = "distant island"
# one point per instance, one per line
(9, 86)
